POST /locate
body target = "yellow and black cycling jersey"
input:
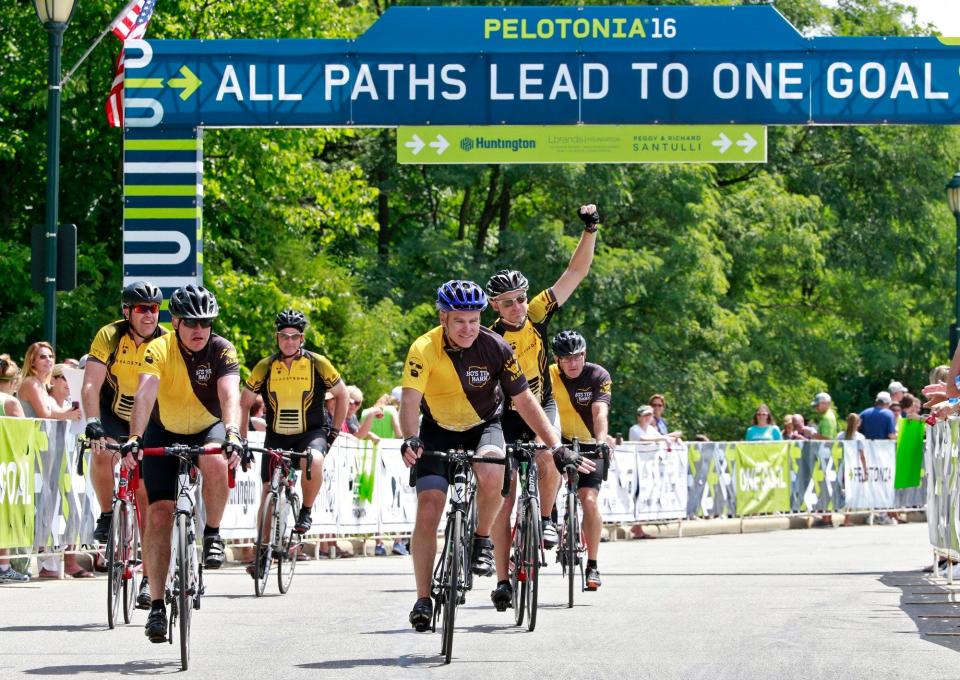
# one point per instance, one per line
(462, 388)
(575, 399)
(114, 347)
(187, 397)
(529, 342)
(293, 397)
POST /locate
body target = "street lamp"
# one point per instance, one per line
(55, 16)
(953, 199)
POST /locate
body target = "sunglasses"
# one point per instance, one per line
(510, 302)
(146, 308)
(761, 413)
(45, 356)
(197, 323)
(657, 405)
(289, 336)
(354, 403)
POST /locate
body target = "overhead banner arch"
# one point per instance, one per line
(496, 66)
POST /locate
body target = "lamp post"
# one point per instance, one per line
(953, 199)
(55, 15)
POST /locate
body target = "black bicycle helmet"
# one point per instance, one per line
(193, 302)
(291, 318)
(568, 343)
(461, 296)
(140, 292)
(506, 280)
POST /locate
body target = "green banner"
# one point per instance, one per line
(909, 453)
(762, 477)
(21, 440)
(367, 471)
(447, 144)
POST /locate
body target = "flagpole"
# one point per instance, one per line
(92, 47)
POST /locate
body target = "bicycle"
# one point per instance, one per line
(122, 553)
(275, 534)
(571, 547)
(451, 575)
(184, 582)
(527, 553)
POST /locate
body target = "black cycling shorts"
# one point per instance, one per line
(594, 479)
(434, 474)
(114, 426)
(314, 439)
(515, 428)
(160, 472)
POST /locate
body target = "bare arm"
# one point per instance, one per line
(33, 392)
(579, 265)
(143, 404)
(410, 412)
(94, 373)
(13, 409)
(247, 399)
(395, 422)
(228, 389)
(529, 409)
(340, 398)
(600, 410)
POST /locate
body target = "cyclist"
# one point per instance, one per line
(523, 323)
(110, 379)
(292, 382)
(582, 391)
(189, 393)
(457, 374)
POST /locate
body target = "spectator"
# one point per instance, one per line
(878, 422)
(896, 409)
(34, 391)
(788, 432)
(827, 423)
(896, 390)
(797, 428)
(382, 419)
(658, 402)
(11, 408)
(910, 406)
(764, 428)
(256, 418)
(852, 433)
(646, 431)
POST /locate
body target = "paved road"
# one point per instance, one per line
(820, 603)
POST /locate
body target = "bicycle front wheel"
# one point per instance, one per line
(289, 543)
(131, 561)
(531, 564)
(115, 565)
(571, 544)
(184, 596)
(517, 575)
(264, 554)
(451, 594)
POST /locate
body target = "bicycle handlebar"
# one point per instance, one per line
(292, 457)
(182, 451)
(463, 456)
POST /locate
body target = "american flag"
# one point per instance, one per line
(130, 24)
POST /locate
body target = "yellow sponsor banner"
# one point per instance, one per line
(448, 144)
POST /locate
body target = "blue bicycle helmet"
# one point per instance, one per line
(461, 296)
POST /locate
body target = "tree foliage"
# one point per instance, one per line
(720, 286)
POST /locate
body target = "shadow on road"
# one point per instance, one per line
(55, 628)
(404, 661)
(932, 604)
(134, 667)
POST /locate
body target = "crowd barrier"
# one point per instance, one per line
(45, 504)
(943, 488)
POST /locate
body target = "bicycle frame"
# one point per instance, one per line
(527, 551)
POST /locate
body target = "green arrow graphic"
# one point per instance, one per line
(189, 83)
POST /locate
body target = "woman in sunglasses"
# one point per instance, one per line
(764, 427)
(110, 379)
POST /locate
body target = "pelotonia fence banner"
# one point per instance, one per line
(21, 440)
(762, 478)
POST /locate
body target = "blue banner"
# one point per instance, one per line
(547, 66)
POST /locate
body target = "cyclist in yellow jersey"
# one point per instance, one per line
(189, 393)
(293, 382)
(110, 380)
(457, 375)
(523, 323)
(583, 393)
